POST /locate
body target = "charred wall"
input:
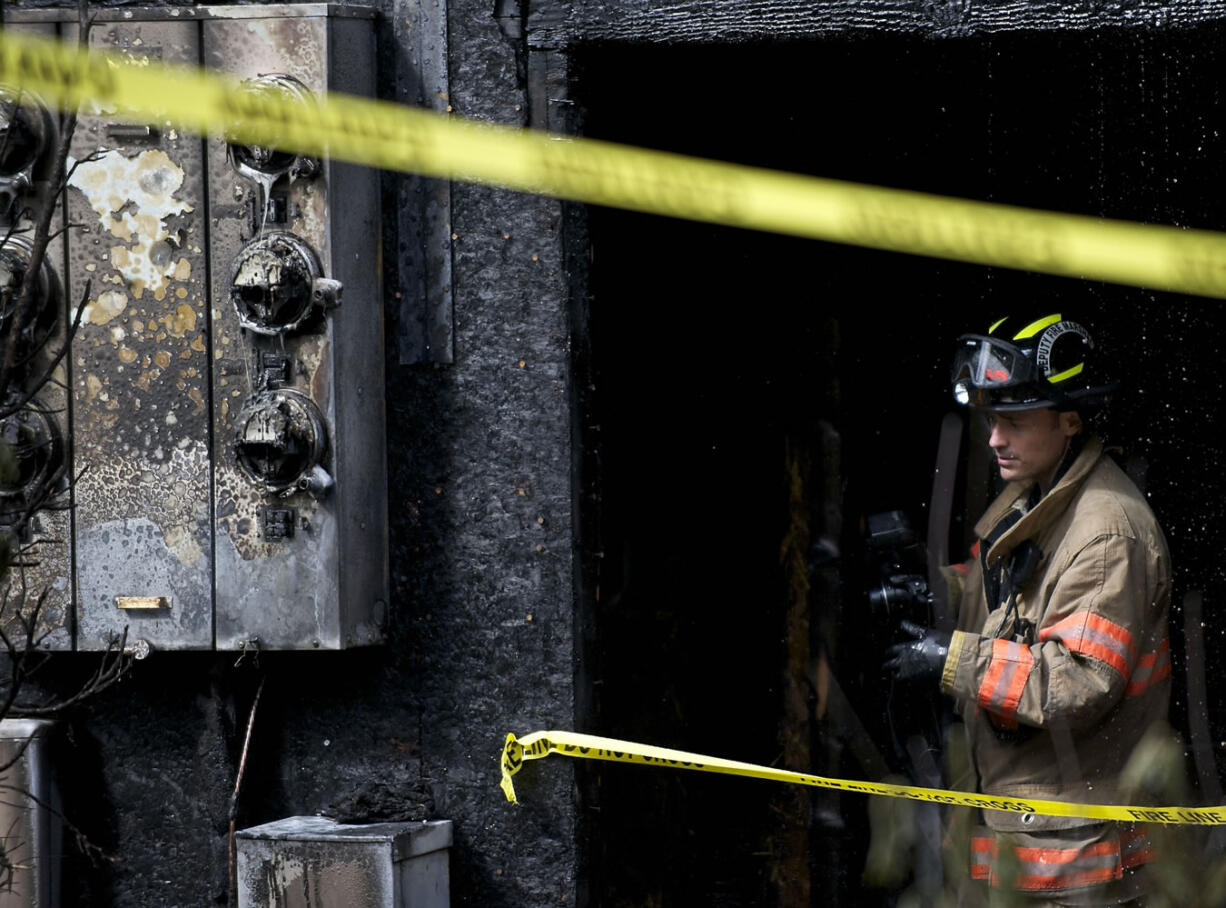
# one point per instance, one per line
(481, 606)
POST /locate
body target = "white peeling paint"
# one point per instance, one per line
(132, 198)
(108, 305)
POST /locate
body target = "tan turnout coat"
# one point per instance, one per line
(1056, 714)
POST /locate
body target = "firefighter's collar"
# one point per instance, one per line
(1017, 497)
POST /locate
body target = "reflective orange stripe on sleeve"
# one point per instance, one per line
(983, 849)
(1093, 635)
(1043, 869)
(1040, 869)
(1135, 847)
(1003, 683)
(1035, 882)
(1151, 668)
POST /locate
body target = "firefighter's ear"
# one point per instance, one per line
(1070, 423)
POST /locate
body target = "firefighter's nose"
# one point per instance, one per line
(996, 438)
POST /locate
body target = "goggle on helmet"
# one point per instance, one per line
(1043, 364)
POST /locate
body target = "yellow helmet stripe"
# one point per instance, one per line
(996, 325)
(1067, 373)
(1035, 327)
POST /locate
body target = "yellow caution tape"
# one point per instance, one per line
(393, 137)
(590, 747)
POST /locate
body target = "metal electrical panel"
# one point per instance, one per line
(226, 421)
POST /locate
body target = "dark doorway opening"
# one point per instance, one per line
(725, 363)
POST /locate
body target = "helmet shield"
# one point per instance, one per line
(987, 362)
(992, 373)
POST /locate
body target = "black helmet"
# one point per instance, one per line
(1023, 365)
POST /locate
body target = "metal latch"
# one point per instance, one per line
(132, 132)
(142, 603)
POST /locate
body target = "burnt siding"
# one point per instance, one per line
(490, 454)
(557, 23)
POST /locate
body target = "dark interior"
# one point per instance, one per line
(719, 353)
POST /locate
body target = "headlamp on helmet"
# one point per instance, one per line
(1045, 363)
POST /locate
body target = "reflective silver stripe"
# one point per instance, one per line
(1008, 670)
(1107, 641)
(1093, 635)
(1066, 868)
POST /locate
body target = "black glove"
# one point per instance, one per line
(919, 659)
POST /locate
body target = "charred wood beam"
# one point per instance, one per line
(554, 24)
(424, 317)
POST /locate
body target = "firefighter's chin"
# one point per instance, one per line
(1009, 467)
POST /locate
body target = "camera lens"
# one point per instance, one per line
(885, 598)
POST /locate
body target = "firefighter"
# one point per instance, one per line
(1059, 660)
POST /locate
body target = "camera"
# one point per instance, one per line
(900, 588)
(896, 568)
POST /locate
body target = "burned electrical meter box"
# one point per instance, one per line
(220, 409)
